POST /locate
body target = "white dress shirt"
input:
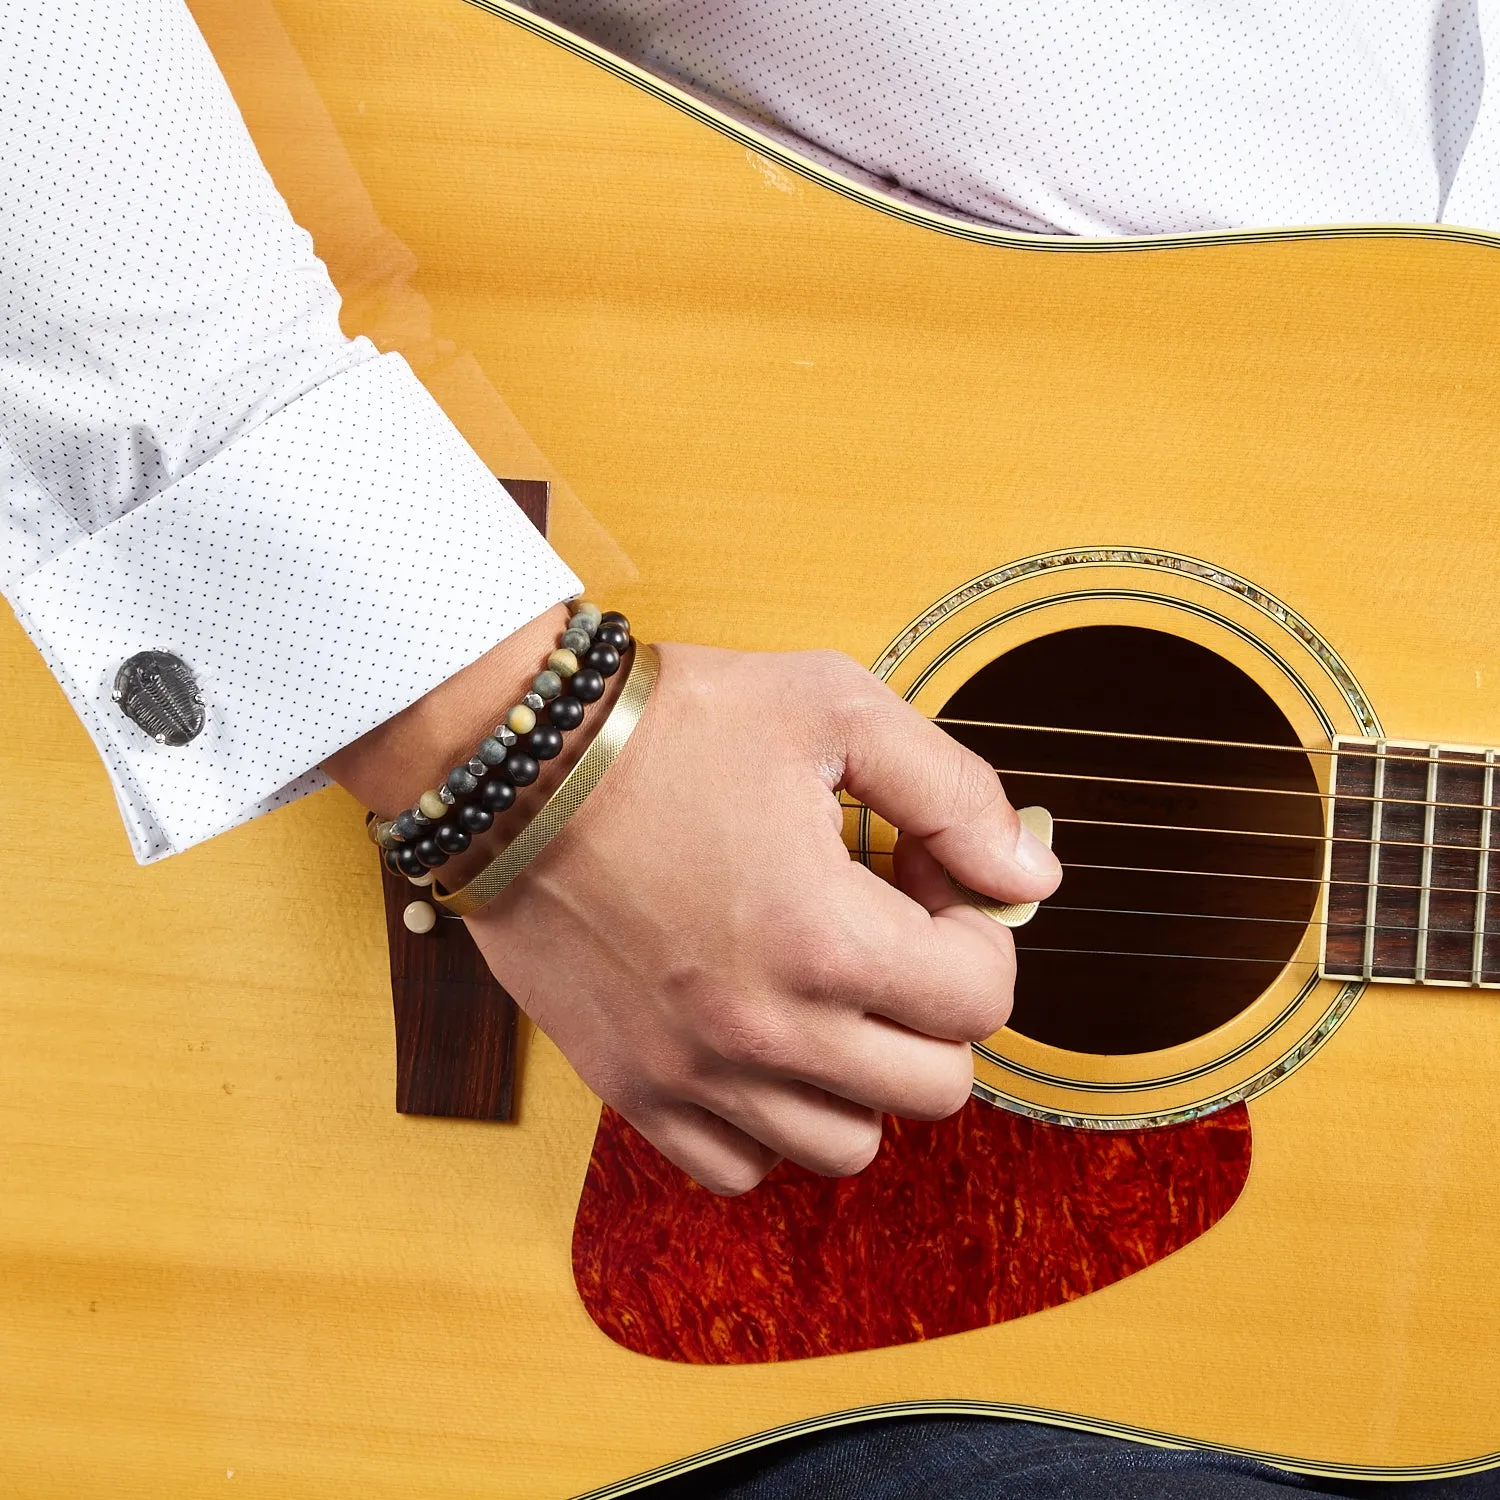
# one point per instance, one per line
(1105, 117)
(195, 460)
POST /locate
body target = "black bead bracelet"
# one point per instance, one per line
(445, 819)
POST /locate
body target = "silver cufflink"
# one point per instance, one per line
(158, 691)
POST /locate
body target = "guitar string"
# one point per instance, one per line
(1212, 916)
(1347, 752)
(1384, 885)
(1266, 833)
(1224, 958)
(1242, 833)
(1393, 754)
(1269, 791)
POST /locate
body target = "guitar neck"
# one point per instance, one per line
(1410, 865)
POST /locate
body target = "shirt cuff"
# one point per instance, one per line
(317, 575)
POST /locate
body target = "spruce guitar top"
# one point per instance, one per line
(1194, 539)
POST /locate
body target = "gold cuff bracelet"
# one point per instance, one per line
(568, 798)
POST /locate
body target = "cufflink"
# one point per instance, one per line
(158, 692)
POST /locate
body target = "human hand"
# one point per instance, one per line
(701, 947)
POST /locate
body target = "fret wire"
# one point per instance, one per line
(1373, 894)
(1424, 900)
(1481, 899)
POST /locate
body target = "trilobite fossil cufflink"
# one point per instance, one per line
(158, 691)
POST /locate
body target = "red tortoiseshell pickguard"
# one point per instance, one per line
(956, 1225)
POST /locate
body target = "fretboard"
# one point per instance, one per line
(1413, 889)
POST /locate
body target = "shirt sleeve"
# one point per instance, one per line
(194, 459)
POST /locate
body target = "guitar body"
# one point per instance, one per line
(780, 413)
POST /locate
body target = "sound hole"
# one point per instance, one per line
(1131, 955)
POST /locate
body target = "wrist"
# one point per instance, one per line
(461, 868)
(390, 766)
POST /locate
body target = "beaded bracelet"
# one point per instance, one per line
(575, 789)
(444, 819)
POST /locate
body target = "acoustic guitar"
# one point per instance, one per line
(1193, 538)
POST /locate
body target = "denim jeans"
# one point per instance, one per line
(961, 1458)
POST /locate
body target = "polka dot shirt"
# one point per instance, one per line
(1105, 117)
(193, 457)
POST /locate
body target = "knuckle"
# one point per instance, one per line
(975, 1013)
(815, 678)
(973, 786)
(960, 1089)
(826, 666)
(828, 962)
(848, 691)
(851, 1153)
(731, 1180)
(948, 1093)
(991, 1013)
(829, 975)
(864, 708)
(993, 995)
(747, 1034)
